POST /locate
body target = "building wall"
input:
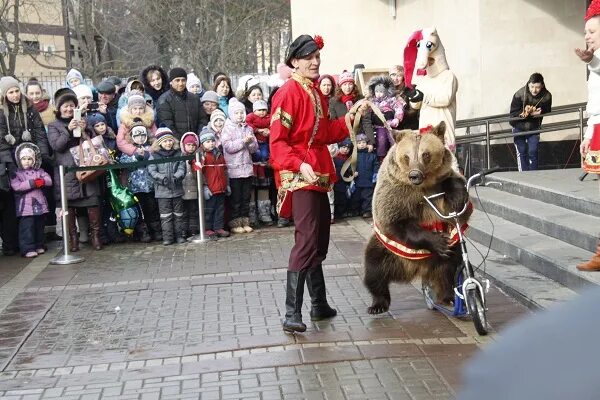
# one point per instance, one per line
(492, 46)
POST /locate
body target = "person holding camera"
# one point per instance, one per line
(19, 122)
(64, 133)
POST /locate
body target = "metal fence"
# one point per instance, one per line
(50, 82)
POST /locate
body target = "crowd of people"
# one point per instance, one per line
(160, 115)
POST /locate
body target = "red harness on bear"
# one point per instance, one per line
(403, 250)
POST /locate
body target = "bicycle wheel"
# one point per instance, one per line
(477, 311)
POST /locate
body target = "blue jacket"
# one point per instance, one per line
(367, 166)
(340, 185)
(139, 180)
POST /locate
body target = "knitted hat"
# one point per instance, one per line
(106, 86)
(73, 73)
(189, 137)
(210, 95)
(207, 135)
(7, 83)
(163, 134)
(593, 10)
(94, 119)
(235, 105)
(192, 80)
(177, 73)
(345, 77)
(259, 105)
(27, 152)
(217, 114)
(82, 91)
(361, 137)
(135, 100)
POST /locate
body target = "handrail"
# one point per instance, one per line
(564, 109)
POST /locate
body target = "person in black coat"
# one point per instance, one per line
(155, 80)
(179, 110)
(528, 103)
(367, 166)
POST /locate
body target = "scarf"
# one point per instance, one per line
(347, 100)
(41, 106)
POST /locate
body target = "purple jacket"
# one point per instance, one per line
(236, 151)
(29, 199)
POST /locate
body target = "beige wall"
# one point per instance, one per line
(492, 46)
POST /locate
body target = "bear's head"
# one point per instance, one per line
(421, 155)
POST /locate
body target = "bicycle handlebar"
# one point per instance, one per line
(470, 181)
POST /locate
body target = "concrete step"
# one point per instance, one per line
(560, 188)
(530, 288)
(543, 254)
(572, 227)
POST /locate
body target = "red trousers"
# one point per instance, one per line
(310, 210)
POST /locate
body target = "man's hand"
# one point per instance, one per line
(308, 173)
(584, 147)
(102, 108)
(370, 148)
(537, 111)
(585, 55)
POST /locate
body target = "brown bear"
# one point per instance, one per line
(410, 240)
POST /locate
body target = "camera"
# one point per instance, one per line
(93, 106)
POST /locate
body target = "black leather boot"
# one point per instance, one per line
(293, 302)
(316, 288)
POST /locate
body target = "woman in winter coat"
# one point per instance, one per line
(346, 95)
(156, 82)
(19, 122)
(82, 197)
(239, 143)
(41, 101)
(250, 96)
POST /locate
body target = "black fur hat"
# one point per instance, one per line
(383, 80)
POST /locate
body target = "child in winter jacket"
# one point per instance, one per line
(216, 125)
(97, 123)
(139, 113)
(27, 182)
(239, 143)
(341, 188)
(260, 121)
(382, 94)
(141, 184)
(189, 144)
(215, 186)
(168, 188)
(367, 167)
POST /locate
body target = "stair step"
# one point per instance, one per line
(569, 226)
(541, 253)
(558, 187)
(529, 287)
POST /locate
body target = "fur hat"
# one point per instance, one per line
(106, 86)
(73, 73)
(345, 77)
(7, 83)
(82, 91)
(61, 97)
(136, 100)
(361, 137)
(207, 135)
(301, 47)
(28, 149)
(260, 105)
(235, 105)
(192, 80)
(210, 95)
(385, 81)
(94, 119)
(177, 73)
(63, 91)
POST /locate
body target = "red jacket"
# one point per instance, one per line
(255, 122)
(292, 125)
(215, 177)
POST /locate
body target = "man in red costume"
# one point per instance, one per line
(304, 173)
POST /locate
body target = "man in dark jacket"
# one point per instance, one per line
(529, 103)
(107, 103)
(179, 110)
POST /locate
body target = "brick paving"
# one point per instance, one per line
(204, 322)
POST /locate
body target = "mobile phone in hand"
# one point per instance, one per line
(77, 117)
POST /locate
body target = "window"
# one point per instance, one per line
(31, 47)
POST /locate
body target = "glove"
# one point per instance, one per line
(10, 139)
(228, 190)
(394, 123)
(207, 193)
(415, 95)
(26, 136)
(39, 183)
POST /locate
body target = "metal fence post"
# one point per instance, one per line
(200, 238)
(488, 144)
(581, 123)
(65, 258)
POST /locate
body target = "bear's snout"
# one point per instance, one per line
(415, 177)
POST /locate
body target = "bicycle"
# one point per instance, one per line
(469, 291)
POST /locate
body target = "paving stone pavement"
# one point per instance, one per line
(203, 321)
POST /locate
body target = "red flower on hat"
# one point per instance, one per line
(593, 10)
(319, 41)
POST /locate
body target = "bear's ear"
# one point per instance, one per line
(439, 130)
(398, 135)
